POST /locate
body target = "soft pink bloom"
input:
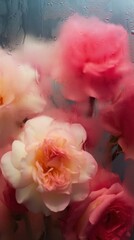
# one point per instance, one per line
(107, 213)
(19, 96)
(118, 119)
(92, 57)
(48, 166)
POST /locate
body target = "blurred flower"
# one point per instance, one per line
(19, 96)
(93, 58)
(38, 54)
(107, 213)
(47, 165)
(118, 118)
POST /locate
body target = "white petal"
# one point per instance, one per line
(37, 128)
(88, 167)
(18, 153)
(30, 197)
(28, 137)
(31, 103)
(74, 133)
(9, 171)
(56, 201)
(17, 178)
(79, 133)
(80, 191)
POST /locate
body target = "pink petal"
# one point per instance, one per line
(80, 191)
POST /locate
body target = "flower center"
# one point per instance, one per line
(111, 219)
(49, 155)
(50, 162)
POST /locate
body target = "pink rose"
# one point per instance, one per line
(106, 215)
(92, 59)
(118, 118)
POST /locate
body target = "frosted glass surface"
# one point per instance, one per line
(42, 17)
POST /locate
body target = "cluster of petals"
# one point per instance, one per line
(93, 58)
(48, 166)
(117, 118)
(20, 96)
(106, 214)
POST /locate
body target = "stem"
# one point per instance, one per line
(28, 227)
(52, 231)
(47, 227)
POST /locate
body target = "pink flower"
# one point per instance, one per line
(118, 118)
(107, 213)
(19, 96)
(47, 165)
(92, 59)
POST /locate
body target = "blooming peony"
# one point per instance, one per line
(107, 213)
(19, 96)
(47, 165)
(93, 58)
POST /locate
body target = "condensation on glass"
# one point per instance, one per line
(42, 18)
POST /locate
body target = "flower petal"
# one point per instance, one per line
(37, 128)
(18, 153)
(79, 133)
(80, 191)
(88, 167)
(56, 201)
(30, 197)
(9, 171)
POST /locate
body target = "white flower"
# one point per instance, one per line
(19, 96)
(47, 165)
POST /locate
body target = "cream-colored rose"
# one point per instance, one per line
(19, 96)
(47, 165)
